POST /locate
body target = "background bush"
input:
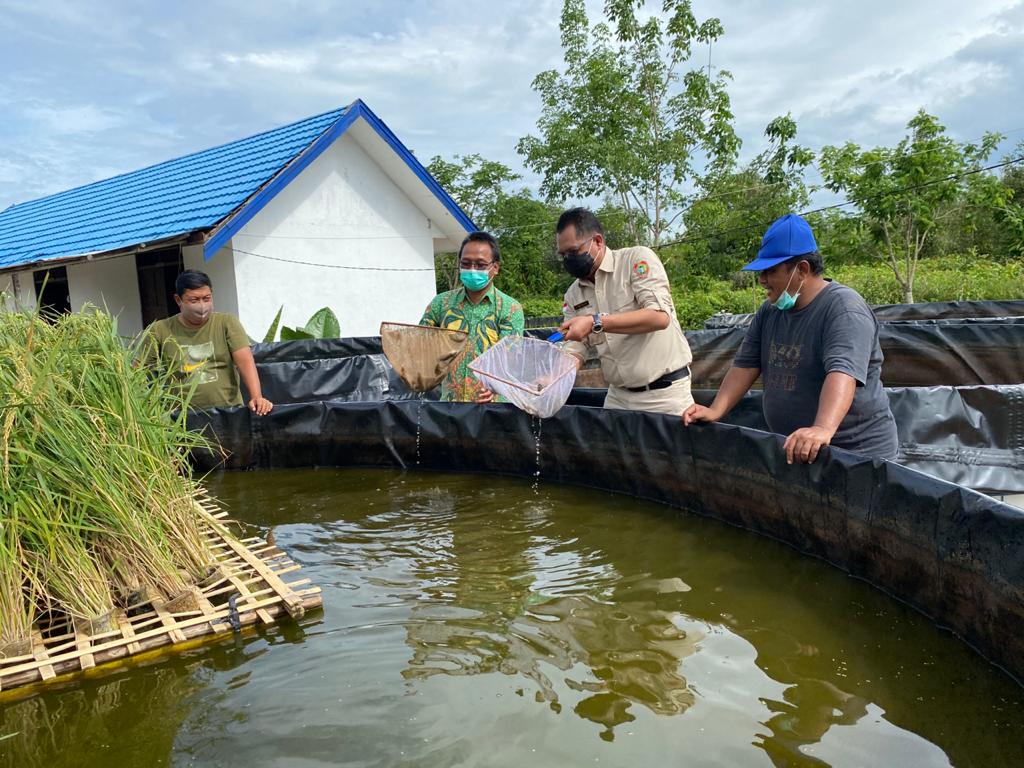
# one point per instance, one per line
(963, 277)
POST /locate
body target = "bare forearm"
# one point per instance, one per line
(734, 386)
(247, 371)
(834, 401)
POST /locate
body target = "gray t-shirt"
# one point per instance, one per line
(796, 349)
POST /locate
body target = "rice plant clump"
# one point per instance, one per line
(96, 494)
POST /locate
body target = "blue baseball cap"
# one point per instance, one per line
(787, 237)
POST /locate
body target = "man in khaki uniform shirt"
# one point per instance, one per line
(621, 307)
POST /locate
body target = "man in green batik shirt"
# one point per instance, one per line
(478, 308)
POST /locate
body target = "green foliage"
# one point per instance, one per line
(474, 182)
(703, 297)
(322, 325)
(542, 306)
(624, 118)
(272, 331)
(963, 277)
(904, 192)
(525, 230)
(724, 226)
(957, 277)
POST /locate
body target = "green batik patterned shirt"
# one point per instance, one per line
(496, 316)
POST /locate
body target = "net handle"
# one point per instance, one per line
(427, 327)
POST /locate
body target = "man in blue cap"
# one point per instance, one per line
(815, 344)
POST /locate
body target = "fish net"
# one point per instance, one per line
(421, 354)
(533, 374)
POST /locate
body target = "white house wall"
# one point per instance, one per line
(341, 211)
(221, 271)
(17, 290)
(108, 283)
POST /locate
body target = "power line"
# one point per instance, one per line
(680, 241)
(911, 188)
(767, 184)
(418, 236)
(334, 266)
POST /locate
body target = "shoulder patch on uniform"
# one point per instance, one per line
(565, 307)
(641, 268)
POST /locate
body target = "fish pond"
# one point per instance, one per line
(470, 620)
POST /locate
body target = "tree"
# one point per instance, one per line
(623, 120)
(476, 185)
(724, 226)
(525, 229)
(473, 181)
(904, 191)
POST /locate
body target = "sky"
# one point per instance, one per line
(90, 90)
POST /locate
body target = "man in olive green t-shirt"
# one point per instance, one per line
(206, 348)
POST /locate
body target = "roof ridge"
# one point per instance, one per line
(14, 206)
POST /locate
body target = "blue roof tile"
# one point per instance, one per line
(172, 198)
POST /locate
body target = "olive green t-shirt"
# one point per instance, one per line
(201, 355)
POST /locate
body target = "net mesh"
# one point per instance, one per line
(421, 354)
(535, 375)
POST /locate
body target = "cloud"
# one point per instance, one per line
(90, 91)
(73, 120)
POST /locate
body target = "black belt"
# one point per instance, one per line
(665, 381)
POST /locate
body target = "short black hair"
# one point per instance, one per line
(584, 220)
(482, 237)
(191, 279)
(813, 258)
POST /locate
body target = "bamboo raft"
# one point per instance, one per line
(246, 588)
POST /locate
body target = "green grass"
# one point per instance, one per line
(949, 278)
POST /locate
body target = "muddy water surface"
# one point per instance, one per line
(471, 621)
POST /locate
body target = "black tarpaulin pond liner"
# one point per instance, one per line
(918, 353)
(956, 555)
(933, 310)
(969, 435)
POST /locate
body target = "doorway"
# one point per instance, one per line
(53, 296)
(157, 270)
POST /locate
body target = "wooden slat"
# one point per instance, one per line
(46, 671)
(167, 619)
(252, 567)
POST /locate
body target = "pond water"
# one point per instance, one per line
(469, 620)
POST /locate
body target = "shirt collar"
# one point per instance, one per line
(463, 298)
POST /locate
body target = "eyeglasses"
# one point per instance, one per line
(477, 265)
(579, 250)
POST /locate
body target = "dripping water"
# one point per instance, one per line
(419, 417)
(536, 423)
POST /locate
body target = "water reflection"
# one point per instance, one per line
(469, 621)
(497, 595)
(522, 587)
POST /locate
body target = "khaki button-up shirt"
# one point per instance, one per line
(629, 279)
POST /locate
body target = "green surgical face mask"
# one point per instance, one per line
(475, 279)
(787, 300)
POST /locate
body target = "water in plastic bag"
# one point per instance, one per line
(533, 374)
(421, 354)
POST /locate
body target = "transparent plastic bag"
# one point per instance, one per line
(533, 374)
(421, 354)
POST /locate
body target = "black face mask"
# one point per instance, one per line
(578, 264)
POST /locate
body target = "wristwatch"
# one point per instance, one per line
(598, 325)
